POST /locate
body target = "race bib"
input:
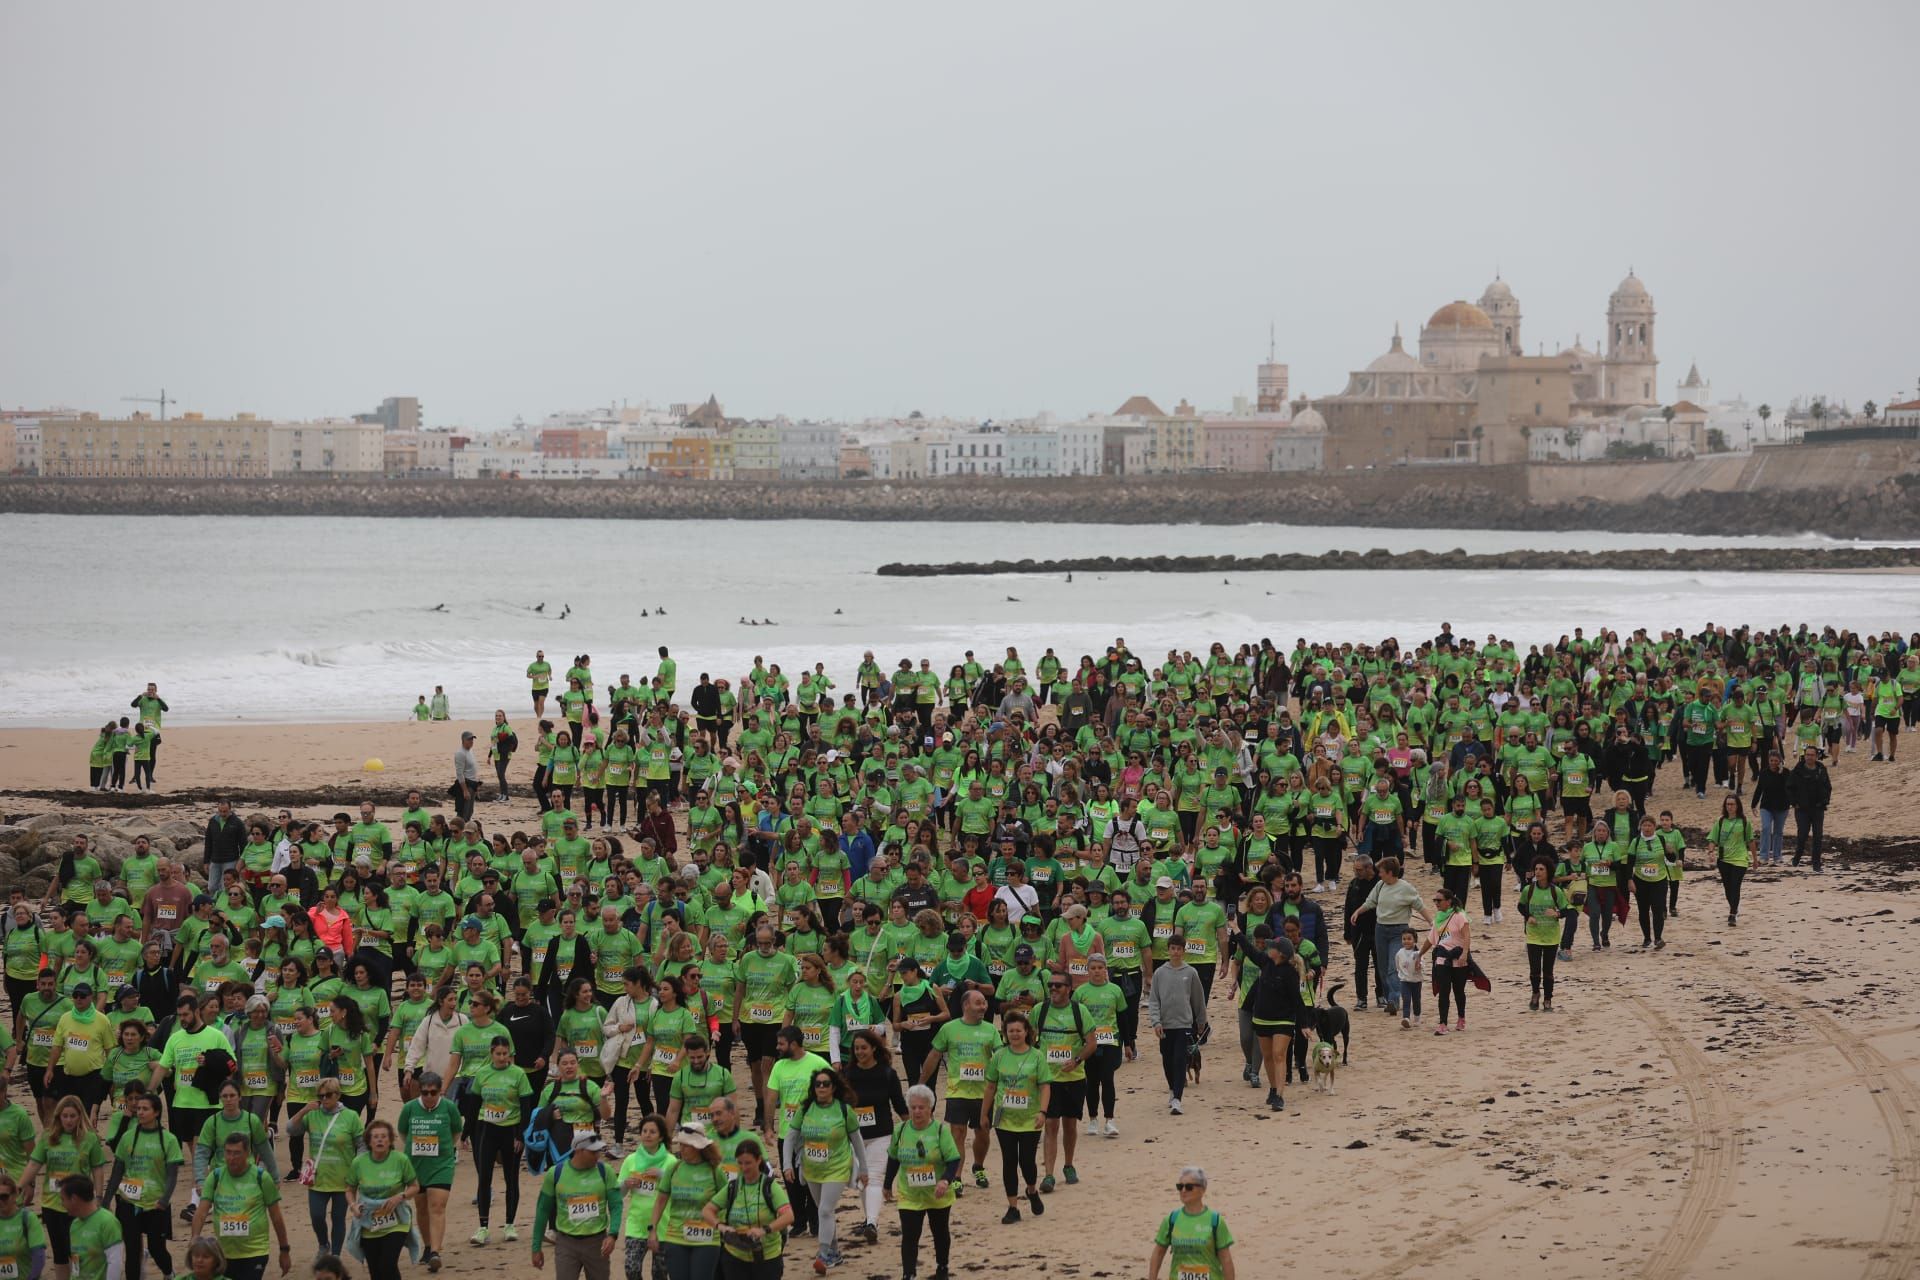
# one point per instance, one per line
(649, 1182)
(1195, 1271)
(9, 1270)
(865, 1115)
(426, 1146)
(43, 1037)
(582, 1210)
(584, 1049)
(254, 1081)
(1124, 951)
(665, 1057)
(816, 1153)
(1105, 1035)
(1077, 968)
(1196, 946)
(813, 1037)
(284, 1030)
(385, 1220)
(132, 1188)
(611, 977)
(166, 913)
(1161, 932)
(494, 1113)
(235, 1226)
(78, 1044)
(1060, 1055)
(924, 1177)
(697, 1232)
(1015, 1099)
(759, 1013)
(973, 1072)
(305, 1080)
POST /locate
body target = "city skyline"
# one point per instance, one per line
(1028, 212)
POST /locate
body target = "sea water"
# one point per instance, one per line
(241, 618)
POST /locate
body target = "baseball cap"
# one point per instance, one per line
(1023, 952)
(588, 1141)
(472, 922)
(1164, 882)
(694, 1135)
(83, 991)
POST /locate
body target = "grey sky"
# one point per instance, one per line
(984, 209)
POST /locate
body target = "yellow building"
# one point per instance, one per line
(187, 446)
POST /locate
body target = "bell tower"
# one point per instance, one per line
(1633, 370)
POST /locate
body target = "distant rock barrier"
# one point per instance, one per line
(1689, 560)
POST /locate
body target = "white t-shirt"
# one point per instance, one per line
(1406, 964)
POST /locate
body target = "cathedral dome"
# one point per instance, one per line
(1631, 290)
(1459, 315)
(1396, 359)
(1309, 419)
(1496, 292)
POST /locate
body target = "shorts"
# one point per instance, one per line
(761, 1040)
(539, 696)
(89, 1086)
(1890, 723)
(184, 1122)
(1577, 806)
(1267, 1030)
(37, 1081)
(446, 1186)
(59, 1234)
(1066, 1099)
(964, 1111)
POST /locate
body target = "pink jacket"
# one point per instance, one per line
(334, 931)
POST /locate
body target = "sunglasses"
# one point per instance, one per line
(1186, 1186)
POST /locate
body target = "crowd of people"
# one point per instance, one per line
(785, 954)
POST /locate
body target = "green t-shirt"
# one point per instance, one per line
(502, 1091)
(1017, 1078)
(182, 1055)
(90, 1239)
(788, 1079)
(687, 1188)
(1103, 1002)
(826, 1137)
(16, 1138)
(1062, 1033)
(923, 1156)
(382, 1180)
(145, 1156)
(743, 1206)
(1193, 1242)
(766, 982)
(430, 1138)
(59, 1159)
(237, 1207)
(20, 1235)
(331, 1142)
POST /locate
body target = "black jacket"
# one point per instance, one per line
(530, 1030)
(1357, 891)
(706, 701)
(1810, 788)
(1275, 995)
(225, 839)
(1774, 790)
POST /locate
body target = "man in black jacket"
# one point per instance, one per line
(1812, 791)
(705, 700)
(1772, 796)
(226, 837)
(1357, 931)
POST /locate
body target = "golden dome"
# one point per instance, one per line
(1459, 315)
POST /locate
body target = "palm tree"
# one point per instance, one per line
(1869, 409)
(1819, 412)
(1765, 411)
(1572, 436)
(1667, 413)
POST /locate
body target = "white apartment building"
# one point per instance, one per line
(1033, 455)
(326, 448)
(806, 451)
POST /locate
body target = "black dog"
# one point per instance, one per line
(1332, 1021)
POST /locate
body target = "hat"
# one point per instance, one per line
(693, 1135)
(124, 992)
(202, 900)
(274, 922)
(955, 942)
(588, 1141)
(832, 756)
(83, 991)
(467, 736)
(1164, 882)
(1022, 952)
(472, 922)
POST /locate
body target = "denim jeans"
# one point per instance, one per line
(1773, 833)
(319, 1203)
(1386, 948)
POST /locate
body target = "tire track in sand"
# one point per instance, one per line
(1710, 1184)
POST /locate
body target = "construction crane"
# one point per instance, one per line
(163, 401)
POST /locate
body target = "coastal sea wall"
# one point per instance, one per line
(1878, 497)
(1689, 560)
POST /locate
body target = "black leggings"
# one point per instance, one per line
(383, 1255)
(914, 1047)
(1490, 877)
(625, 1083)
(155, 1225)
(1102, 1067)
(910, 1220)
(1540, 958)
(1452, 982)
(617, 799)
(1652, 897)
(494, 1145)
(1730, 879)
(1456, 879)
(593, 800)
(1019, 1156)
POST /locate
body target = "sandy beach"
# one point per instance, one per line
(1744, 1102)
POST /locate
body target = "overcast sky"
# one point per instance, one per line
(991, 209)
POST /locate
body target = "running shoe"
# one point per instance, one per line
(1046, 1182)
(1113, 1130)
(1071, 1176)
(1035, 1203)
(979, 1176)
(511, 1233)
(478, 1237)
(1011, 1216)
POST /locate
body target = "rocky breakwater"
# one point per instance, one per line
(1492, 497)
(31, 846)
(1690, 560)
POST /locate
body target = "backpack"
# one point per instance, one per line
(766, 1193)
(509, 744)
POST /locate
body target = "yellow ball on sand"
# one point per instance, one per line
(375, 765)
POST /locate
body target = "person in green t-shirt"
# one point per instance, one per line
(505, 1096)
(581, 1200)
(380, 1181)
(333, 1130)
(238, 1199)
(1018, 1080)
(751, 1211)
(823, 1145)
(146, 1165)
(430, 1128)
(928, 1160)
(1194, 1235)
(94, 1238)
(1065, 1035)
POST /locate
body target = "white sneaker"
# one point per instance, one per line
(1173, 1105)
(1496, 915)
(1093, 1128)
(1486, 919)
(1113, 1130)
(512, 1232)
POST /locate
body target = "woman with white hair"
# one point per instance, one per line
(922, 1163)
(1195, 1235)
